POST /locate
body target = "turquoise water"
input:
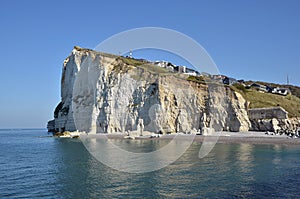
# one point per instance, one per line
(42, 167)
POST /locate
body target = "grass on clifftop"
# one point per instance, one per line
(294, 89)
(146, 66)
(131, 61)
(154, 69)
(290, 103)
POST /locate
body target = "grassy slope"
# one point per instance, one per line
(146, 66)
(294, 89)
(290, 103)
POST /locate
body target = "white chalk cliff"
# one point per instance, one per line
(111, 93)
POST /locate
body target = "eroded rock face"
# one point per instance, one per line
(238, 118)
(272, 119)
(103, 92)
(274, 124)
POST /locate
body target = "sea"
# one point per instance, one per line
(35, 165)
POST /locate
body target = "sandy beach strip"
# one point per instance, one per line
(222, 137)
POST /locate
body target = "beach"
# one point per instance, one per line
(221, 137)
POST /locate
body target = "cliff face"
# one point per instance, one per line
(111, 94)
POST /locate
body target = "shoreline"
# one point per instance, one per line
(222, 137)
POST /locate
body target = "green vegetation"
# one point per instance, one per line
(154, 69)
(145, 65)
(200, 79)
(131, 61)
(107, 55)
(240, 87)
(294, 89)
(206, 81)
(258, 99)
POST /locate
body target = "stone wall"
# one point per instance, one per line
(268, 113)
(270, 119)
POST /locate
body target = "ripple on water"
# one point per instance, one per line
(32, 167)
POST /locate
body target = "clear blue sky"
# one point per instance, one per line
(247, 39)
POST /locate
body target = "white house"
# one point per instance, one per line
(165, 64)
(281, 91)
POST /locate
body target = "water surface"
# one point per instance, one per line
(32, 166)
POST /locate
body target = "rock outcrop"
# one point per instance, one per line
(272, 119)
(112, 93)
